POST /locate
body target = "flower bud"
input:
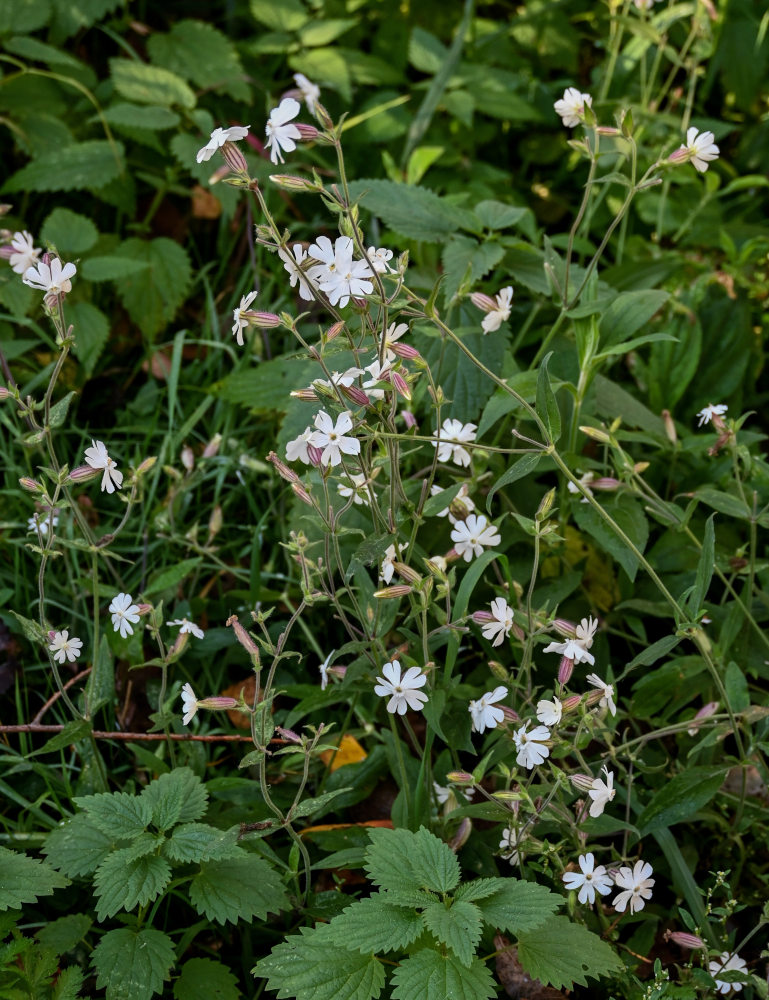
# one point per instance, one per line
(499, 672)
(462, 778)
(392, 593)
(581, 781)
(306, 395)
(400, 384)
(565, 628)
(215, 522)
(234, 159)
(407, 573)
(670, 427)
(482, 617)
(510, 715)
(84, 473)
(146, 465)
(710, 709)
(29, 484)
(570, 703)
(307, 132)
(356, 394)
(684, 940)
(290, 182)
(323, 117)
(314, 454)
(4, 393)
(459, 509)
(565, 670)
(596, 434)
(282, 469)
(218, 703)
(243, 637)
(264, 320)
(409, 419)
(145, 609)
(212, 448)
(335, 330)
(188, 458)
(680, 155)
(518, 632)
(482, 301)
(288, 735)
(545, 506)
(405, 351)
(6, 252)
(461, 835)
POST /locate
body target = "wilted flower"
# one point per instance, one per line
(530, 746)
(188, 627)
(484, 713)
(281, 133)
(218, 138)
(637, 884)
(571, 107)
(588, 880)
(391, 555)
(53, 278)
(452, 435)
(707, 414)
(310, 91)
(324, 670)
(379, 259)
(462, 496)
(576, 649)
(728, 961)
(470, 536)
(24, 253)
(241, 317)
(189, 704)
(124, 614)
(403, 692)
(355, 485)
(63, 647)
(607, 690)
(97, 457)
(509, 846)
(601, 792)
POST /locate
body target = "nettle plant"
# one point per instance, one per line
(377, 453)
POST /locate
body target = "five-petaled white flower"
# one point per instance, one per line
(503, 621)
(602, 792)
(63, 647)
(189, 704)
(571, 107)
(577, 649)
(337, 274)
(589, 880)
(637, 887)
(727, 961)
(530, 746)
(240, 317)
(701, 148)
(218, 138)
(509, 846)
(494, 318)
(124, 614)
(403, 692)
(463, 496)
(452, 435)
(484, 713)
(378, 373)
(292, 264)
(394, 333)
(470, 536)
(330, 438)
(356, 486)
(51, 278)
(324, 670)
(390, 556)
(549, 713)
(310, 91)
(97, 457)
(188, 626)
(297, 449)
(608, 692)
(379, 258)
(706, 415)
(42, 520)
(24, 253)
(280, 130)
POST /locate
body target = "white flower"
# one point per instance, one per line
(484, 713)
(279, 130)
(469, 536)
(728, 961)
(377, 371)
(451, 436)
(297, 449)
(97, 457)
(292, 265)
(608, 692)
(390, 556)
(496, 317)
(241, 321)
(509, 846)
(188, 626)
(63, 647)
(463, 496)
(50, 278)
(394, 333)
(25, 253)
(189, 704)
(443, 794)
(310, 91)
(379, 259)
(337, 274)
(124, 613)
(42, 520)
(586, 631)
(571, 107)
(503, 622)
(324, 670)
(439, 562)
(637, 885)
(589, 880)
(403, 692)
(711, 411)
(218, 138)
(602, 792)
(330, 437)
(701, 148)
(356, 487)
(340, 379)
(576, 649)
(585, 482)
(549, 713)
(530, 746)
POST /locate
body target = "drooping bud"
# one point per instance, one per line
(409, 419)
(306, 395)
(314, 454)
(84, 473)
(334, 330)
(462, 778)
(282, 469)
(581, 781)
(290, 182)
(212, 448)
(288, 735)
(218, 703)
(499, 672)
(407, 573)
(596, 434)
(4, 393)
(234, 159)
(482, 301)
(215, 522)
(307, 132)
(188, 458)
(405, 351)
(670, 427)
(29, 484)
(684, 940)
(146, 465)
(510, 715)
(565, 628)
(482, 617)
(264, 320)
(356, 394)
(392, 593)
(570, 703)
(565, 670)
(461, 835)
(705, 712)
(301, 493)
(243, 637)
(401, 385)
(607, 130)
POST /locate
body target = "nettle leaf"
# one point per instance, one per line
(72, 15)
(152, 296)
(561, 953)
(463, 256)
(428, 975)
(310, 966)
(238, 888)
(375, 924)
(145, 84)
(77, 167)
(133, 965)
(118, 814)
(200, 842)
(457, 925)
(198, 52)
(414, 212)
(23, 879)
(123, 881)
(69, 983)
(518, 906)
(629, 516)
(91, 328)
(63, 934)
(400, 859)
(143, 116)
(166, 798)
(205, 979)
(68, 231)
(77, 847)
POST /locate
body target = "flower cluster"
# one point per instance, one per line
(636, 883)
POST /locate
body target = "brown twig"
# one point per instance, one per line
(57, 694)
(32, 727)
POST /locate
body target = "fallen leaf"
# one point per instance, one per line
(349, 752)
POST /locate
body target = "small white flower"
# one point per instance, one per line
(496, 317)
(124, 614)
(701, 148)
(53, 278)
(503, 622)
(484, 713)
(602, 792)
(341, 380)
(241, 321)
(589, 880)
(310, 91)
(218, 138)
(394, 333)
(585, 482)
(355, 486)
(297, 449)
(530, 746)
(509, 846)
(330, 438)
(292, 264)
(444, 794)
(470, 536)
(549, 713)
(403, 692)
(608, 692)
(728, 961)
(586, 631)
(281, 133)
(637, 885)
(42, 520)
(188, 626)
(706, 415)
(63, 647)
(439, 562)
(337, 274)
(189, 704)
(571, 107)
(97, 457)
(379, 259)
(377, 371)
(463, 496)
(324, 670)
(452, 435)
(390, 556)
(577, 649)
(24, 253)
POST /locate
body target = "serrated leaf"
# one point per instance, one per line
(288, 15)
(400, 859)
(428, 975)
(80, 166)
(68, 983)
(205, 979)
(195, 795)
(31, 629)
(629, 516)
(111, 267)
(133, 965)
(465, 259)
(457, 925)
(518, 906)
(308, 967)
(77, 847)
(145, 84)
(375, 925)
(69, 232)
(561, 953)
(479, 888)
(60, 409)
(155, 118)
(63, 934)
(414, 212)
(200, 842)
(153, 295)
(123, 881)
(117, 814)
(91, 330)
(70, 16)
(23, 879)
(74, 730)
(24, 15)
(237, 888)
(198, 52)
(166, 798)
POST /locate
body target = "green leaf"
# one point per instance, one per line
(268, 386)
(313, 806)
(288, 15)
(68, 984)
(375, 924)
(30, 628)
(435, 504)
(166, 798)
(78, 846)
(629, 312)
(631, 345)
(133, 965)
(724, 503)
(498, 215)
(153, 295)
(59, 410)
(117, 814)
(142, 116)
(111, 267)
(737, 690)
(461, 379)
(83, 165)
(63, 934)
(123, 881)
(654, 652)
(400, 859)
(69, 232)
(428, 975)
(238, 888)
(457, 925)
(195, 795)
(91, 330)
(629, 516)
(23, 15)
(705, 568)
(518, 906)
(414, 212)
(145, 84)
(23, 879)
(205, 979)
(73, 15)
(74, 730)
(198, 52)
(200, 842)
(561, 953)
(547, 407)
(465, 259)
(521, 467)
(680, 798)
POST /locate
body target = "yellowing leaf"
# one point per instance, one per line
(349, 752)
